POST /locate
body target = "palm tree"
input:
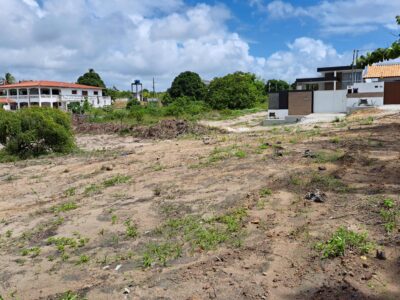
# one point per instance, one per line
(9, 79)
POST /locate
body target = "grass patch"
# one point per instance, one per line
(367, 121)
(130, 229)
(64, 207)
(389, 214)
(118, 179)
(328, 182)
(32, 252)
(92, 189)
(265, 192)
(160, 254)
(195, 234)
(328, 156)
(343, 240)
(70, 192)
(70, 296)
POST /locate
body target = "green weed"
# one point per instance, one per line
(118, 179)
(131, 229)
(343, 240)
(64, 207)
(33, 252)
(70, 192)
(265, 192)
(160, 253)
(328, 182)
(83, 259)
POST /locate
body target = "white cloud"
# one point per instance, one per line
(130, 39)
(339, 16)
(302, 59)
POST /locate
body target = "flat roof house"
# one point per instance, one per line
(52, 94)
(331, 79)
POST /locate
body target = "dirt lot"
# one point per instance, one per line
(222, 216)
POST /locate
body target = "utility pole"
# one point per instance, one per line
(154, 88)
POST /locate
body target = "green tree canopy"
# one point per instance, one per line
(91, 78)
(275, 85)
(235, 91)
(7, 79)
(188, 84)
(381, 54)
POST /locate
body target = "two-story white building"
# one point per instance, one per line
(52, 94)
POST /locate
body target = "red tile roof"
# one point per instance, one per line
(6, 101)
(383, 71)
(48, 84)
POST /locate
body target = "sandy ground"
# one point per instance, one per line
(89, 222)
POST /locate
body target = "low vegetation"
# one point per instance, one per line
(344, 240)
(35, 131)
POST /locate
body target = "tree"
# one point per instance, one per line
(8, 79)
(275, 85)
(91, 78)
(188, 84)
(235, 91)
(381, 54)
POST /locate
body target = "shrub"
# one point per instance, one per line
(235, 91)
(36, 131)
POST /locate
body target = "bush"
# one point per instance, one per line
(36, 131)
(187, 84)
(235, 91)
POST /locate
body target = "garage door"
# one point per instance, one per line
(392, 93)
(300, 103)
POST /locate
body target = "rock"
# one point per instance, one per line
(366, 266)
(107, 168)
(118, 267)
(255, 221)
(363, 257)
(106, 268)
(322, 168)
(126, 291)
(316, 196)
(380, 255)
(66, 171)
(309, 154)
(206, 140)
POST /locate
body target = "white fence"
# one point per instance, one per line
(330, 101)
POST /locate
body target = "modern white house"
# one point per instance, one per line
(339, 90)
(51, 94)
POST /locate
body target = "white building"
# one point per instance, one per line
(52, 94)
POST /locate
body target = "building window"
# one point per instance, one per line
(74, 92)
(96, 93)
(355, 91)
(55, 92)
(84, 93)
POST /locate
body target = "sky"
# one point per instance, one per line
(124, 40)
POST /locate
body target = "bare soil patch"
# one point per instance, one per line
(222, 217)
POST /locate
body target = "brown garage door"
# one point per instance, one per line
(300, 103)
(392, 93)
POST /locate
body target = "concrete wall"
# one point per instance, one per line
(279, 113)
(372, 92)
(68, 92)
(330, 101)
(300, 103)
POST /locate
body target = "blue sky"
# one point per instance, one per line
(128, 39)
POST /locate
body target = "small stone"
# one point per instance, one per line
(363, 257)
(107, 168)
(66, 171)
(380, 255)
(118, 267)
(265, 274)
(322, 168)
(106, 268)
(126, 291)
(255, 221)
(366, 266)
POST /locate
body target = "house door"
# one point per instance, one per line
(392, 93)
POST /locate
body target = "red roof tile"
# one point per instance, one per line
(6, 101)
(49, 84)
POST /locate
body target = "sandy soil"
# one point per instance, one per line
(271, 254)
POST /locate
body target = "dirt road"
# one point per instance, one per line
(216, 217)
